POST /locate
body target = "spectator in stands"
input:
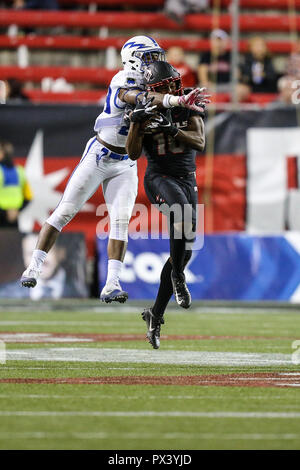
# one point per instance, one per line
(293, 65)
(15, 191)
(177, 9)
(214, 65)
(36, 4)
(175, 57)
(286, 92)
(11, 91)
(257, 69)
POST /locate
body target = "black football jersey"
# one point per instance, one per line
(167, 155)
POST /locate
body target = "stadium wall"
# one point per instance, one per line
(252, 189)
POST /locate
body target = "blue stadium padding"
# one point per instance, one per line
(231, 266)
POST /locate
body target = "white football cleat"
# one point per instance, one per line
(29, 277)
(112, 292)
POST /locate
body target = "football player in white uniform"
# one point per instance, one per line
(105, 161)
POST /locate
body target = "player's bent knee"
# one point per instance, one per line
(62, 215)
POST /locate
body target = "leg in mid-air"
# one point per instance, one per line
(47, 238)
(154, 316)
(119, 192)
(180, 239)
(82, 184)
(170, 139)
(179, 205)
(112, 291)
(181, 223)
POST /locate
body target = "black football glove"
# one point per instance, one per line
(143, 110)
(162, 124)
(127, 112)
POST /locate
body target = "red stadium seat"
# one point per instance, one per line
(255, 4)
(78, 96)
(264, 4)
(196, 22)
(117, 3)
(93, 97)
(98, 75)
(95, 43)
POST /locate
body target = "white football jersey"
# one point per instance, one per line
(110, 124)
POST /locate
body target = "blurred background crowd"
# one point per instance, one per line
(268, 61)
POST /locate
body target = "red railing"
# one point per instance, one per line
(94, 43)
(197, 22)
(93, 97)
(97, 75)
(255, 4)
(78, 96)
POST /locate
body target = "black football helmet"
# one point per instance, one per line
(159, 73)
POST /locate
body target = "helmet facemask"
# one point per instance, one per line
(148, 57)
(177, 80)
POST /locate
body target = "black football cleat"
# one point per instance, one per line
(153, 325)
(180, 289)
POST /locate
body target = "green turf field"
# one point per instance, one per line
(82, 376)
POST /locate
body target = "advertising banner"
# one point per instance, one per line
(228, 267)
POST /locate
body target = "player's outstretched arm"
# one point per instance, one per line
(135, 96)
(196, 100)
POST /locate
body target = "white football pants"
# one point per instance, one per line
(119, 183)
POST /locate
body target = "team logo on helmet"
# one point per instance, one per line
(131, 44)
(148, 75)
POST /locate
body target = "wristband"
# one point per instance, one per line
(170, 101)
(174, 101)
(166, 103)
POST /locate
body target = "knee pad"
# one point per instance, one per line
(119, 221)
(62, 215)
(119, 229)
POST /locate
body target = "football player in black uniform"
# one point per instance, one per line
(170, 140)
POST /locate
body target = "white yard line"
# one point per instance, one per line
(140, 436)
(137, 397)
(297, 374)
(151, 414)
(122, 355)
(59, 322)
(288, 384)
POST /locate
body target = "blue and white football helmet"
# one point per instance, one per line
(139, 52)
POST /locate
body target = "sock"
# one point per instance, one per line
(37, 259)
(114, 270)
(165, 290)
